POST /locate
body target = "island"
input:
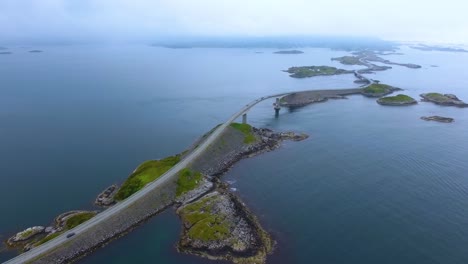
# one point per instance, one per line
(288, 52)
(300, 99)
(438, 119)
(5, 52)
(36, 51)
(397, 100)
(349, 60)
(378, 90)
(312, 71)
(424, 47)
(365, 58)
(443, 99)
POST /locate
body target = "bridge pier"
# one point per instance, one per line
(277, 107)
(244, 118)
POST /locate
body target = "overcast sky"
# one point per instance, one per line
(419, 20)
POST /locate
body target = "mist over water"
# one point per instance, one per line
(372, 184)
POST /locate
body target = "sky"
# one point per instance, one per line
(126, 20)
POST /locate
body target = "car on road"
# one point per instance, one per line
(70, 235)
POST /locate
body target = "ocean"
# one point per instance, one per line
(372, 184)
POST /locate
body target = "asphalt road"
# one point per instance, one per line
(173, 172)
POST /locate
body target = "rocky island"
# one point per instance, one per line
(219, 226)
(308, 97)
(443, 99)
(288, 52)
(424, 47)
(438, 119)
(312, 71)
(397, 100)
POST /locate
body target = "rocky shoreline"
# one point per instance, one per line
(251, 243)
(37, 235)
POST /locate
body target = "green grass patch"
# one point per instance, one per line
(438, 97)
(247, 130)
(377, 88)
(147, 172)
(47, 238)
(205, 225)
(78, 219)
(187, 181)
(210, 228)
(401, 98)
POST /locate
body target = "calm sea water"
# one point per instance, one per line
(372, 184)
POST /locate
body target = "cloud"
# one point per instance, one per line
(139, 19)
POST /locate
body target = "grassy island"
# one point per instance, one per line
(378, 90)
(400, 99)
(312, 71)
(438, 97)
(247, 130)
(147, 172)
(443, 99)
(349, 60)
(187, 181)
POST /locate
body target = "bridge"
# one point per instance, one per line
(173, 172)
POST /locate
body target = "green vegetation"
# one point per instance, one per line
(398, 99)
(205, 226)
(187, 181)
(349, 60)
(377, 88)
(438, 97)
(311, 71)
(247, 130)
(147, 172)
(78, 219)
(47, 238)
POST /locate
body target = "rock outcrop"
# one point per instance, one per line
(219, 226)
(438, 119)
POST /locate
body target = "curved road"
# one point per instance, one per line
(48, 246)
